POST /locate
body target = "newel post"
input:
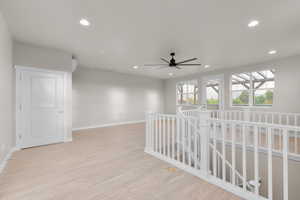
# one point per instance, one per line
(204, 116)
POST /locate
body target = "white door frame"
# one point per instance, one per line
(219, 78)
(19, 70)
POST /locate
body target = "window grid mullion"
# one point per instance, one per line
(251, 91)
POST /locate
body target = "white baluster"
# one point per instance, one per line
(160, 134)
(214, 149)
(270, 165)
(219, 168)
(178, 137)
(156, 132)
(195, 145)
(244, 157)
(147, 133)
(173, 138)
(224, 151)
(256, 166)
(295, 139)
(152, 132)
(296, 142)
(280, 141)
(285, 165)
(189, 142)
(168, 137)
(233, 152)
(183, 135)
(164, 135)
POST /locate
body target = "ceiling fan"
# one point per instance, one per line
(172, 63)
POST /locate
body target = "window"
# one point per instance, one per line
(253, 88)
(212, 94)
(187, 93)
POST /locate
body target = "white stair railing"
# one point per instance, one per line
(223, 151)
(236, 177)
(200, 126)
(254, 140)
(270, 118)
(171, 139)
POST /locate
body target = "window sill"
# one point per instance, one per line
(252, 107)
(187, 104)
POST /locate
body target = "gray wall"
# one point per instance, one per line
(41, 57)
(286, 96)
(6, 91)
(103, 97)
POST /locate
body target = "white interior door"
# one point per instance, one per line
(42, 102)
(213, 92)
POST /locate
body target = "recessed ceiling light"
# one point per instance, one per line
(206, 66)
(84, 22)
(135, 67)
(253, 23)
(271, 52)
(170, 74)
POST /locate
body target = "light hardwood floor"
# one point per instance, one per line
(105, 163)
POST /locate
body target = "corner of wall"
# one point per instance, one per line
(7, 94)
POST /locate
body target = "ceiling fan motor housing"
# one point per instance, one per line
(172, 61)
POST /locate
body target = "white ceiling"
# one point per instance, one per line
(133, 32)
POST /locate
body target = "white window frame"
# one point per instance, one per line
(198, 93)
(251, 92)
(220, 79)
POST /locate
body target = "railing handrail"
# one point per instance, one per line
(263, 123)
(260, 124)
(229, 165)
(255, 111)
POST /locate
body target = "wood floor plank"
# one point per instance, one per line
(105, 163)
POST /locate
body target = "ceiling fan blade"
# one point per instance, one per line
(158, 67)
(155, 65)
(178, 67)
(185, 61)
(190, 64)
(165, 60)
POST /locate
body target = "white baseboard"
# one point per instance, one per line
(6, 158)
(108, 125)
(68, 140)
